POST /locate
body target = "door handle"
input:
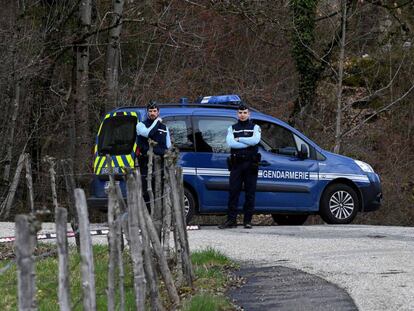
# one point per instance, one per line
(264, 163)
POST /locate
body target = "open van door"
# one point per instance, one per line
(116, 137)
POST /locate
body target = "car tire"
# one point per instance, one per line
(339, 204)
(189, 205)
(289, 220)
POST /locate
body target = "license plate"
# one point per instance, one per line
(106, 187)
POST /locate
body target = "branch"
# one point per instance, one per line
(377, 92)
(378, 112)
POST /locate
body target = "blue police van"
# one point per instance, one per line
(296, 178)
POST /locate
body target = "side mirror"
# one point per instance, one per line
(303, 153)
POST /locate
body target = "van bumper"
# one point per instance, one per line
(98, 203)
(372, 195)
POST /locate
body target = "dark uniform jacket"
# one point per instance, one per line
(244, 129)
(158, 134)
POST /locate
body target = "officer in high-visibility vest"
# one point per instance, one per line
(243, 139)
(154, 129)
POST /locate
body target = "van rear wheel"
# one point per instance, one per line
(289, 220)
(189, 205)
(339, 204)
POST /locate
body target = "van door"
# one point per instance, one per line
(285, 182)
(211, 162)
(182, 137)
(116, 137)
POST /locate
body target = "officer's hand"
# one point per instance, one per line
(236, 139)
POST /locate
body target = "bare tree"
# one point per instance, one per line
(113, 52)
(82, 87)
(340, 78)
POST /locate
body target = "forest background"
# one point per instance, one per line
(341, 71)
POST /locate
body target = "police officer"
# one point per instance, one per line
(243, 139)
(154, 129)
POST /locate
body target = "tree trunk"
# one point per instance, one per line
(338, 130)
(52, 173)
(10, 137)
(82, 157)
(29, 182)
(113, 55)
(302, 38)
(8, 201)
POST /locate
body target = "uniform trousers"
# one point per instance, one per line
(242, 173)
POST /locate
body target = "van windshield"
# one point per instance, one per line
(117, 135)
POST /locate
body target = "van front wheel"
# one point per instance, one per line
(189, 205)
(289, 220)
(339, 204)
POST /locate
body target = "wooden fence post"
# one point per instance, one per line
(148, 262)
(180, 186)
(67, 168)
(61, 216)
(119, 237)
(135, 245)
(112, 241)
(26, 278)
(162, 260)
(123, 210)
(8, 201)
(179, 223)
(87, 268)
(112, 261)
(166, 220)
(150, 169)
(157, 213)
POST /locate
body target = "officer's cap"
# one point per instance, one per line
(242, 106)
(152, 105)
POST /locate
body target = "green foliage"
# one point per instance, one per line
(303, 37)
(370, 72)
(210, 256)
(209, 265)
(47, 282)
(207, 302)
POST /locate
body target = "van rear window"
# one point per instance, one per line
(117, 135)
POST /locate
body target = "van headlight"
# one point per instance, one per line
(364, 166)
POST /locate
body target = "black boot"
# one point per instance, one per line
(228, 224)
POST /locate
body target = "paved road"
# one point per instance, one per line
(280, 288)
(374, 264)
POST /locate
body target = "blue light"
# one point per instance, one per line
(221, 99)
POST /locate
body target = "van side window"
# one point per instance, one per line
(180, 132)
(210, 134)
(277, 139)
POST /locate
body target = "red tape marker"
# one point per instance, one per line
(71, 234)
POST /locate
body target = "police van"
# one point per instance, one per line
(296, 178)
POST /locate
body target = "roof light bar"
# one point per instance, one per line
(221, 99)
